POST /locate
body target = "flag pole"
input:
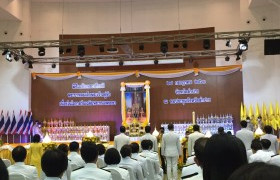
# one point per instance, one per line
(7, 138)
(13, 138)
(20, 138)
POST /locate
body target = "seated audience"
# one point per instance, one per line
(112, 159)
(127, 161)
(199, 147)
(147, 152)
(74, 156)
(121, 139)
(221, 130)
(54, 164)
(19, 155)
(101, 151)
(260, 151)
(149, 136)
(4, 175)
(64, 148)
(272, 138)
(193, 137)
(223, 155)
(89, 154)
(256, 171)
(135, 155)
(245, 135)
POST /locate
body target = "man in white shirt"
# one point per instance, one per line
(89, 154)
(245, 135)
(121, 139)
(135, 155)
(54, 163)
(127, 161)
(100, 160)
(149, 136)
(74, 156)
(260, 151)
(171, 149)
(193, 137)
(19, 155)
(272, 138)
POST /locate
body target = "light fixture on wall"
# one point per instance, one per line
(228, 43)
(243, 45)
(164, 47)
(41, 51)
(227, 58)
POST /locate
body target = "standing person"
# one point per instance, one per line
(159, 139)
(193, 137)
(272, 138)
(149, 136)
(36, 152)
(245, 135)
(184, 143)
(171, 149)
(121, 139)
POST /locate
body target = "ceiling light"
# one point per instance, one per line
(9, 57)
(141, 47)
(175, 45)
(137, 63)
(5, 51)
(164, 47)
(237, 57)
(87, 64)
(112, 50)
(81, 50)
(23, 61)
(156, 62)
(243, 44)
(30, 65)
(22, 53)
(121, 63)
(228, 43)
(227, 58)
(101, 49)
(53, 65)
(41, 51)
(16, 58)
(171, 61)
(185, 44)
(61, 50)
(68, 50)
(206, 44)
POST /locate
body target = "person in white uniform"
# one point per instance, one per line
(171, 149)
(193, 137)
(54, 164)
(272, 138)
(89, 154)
(135, 155)
(19, 155)
(260, 153)
(121, 139)
(127, 161)
(101, 151)
(149, 136)
(245, 135)
(74, 156)
(112, 158)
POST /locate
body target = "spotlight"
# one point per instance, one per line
(5, 51)
(185, 44)
(68, 50)
(16, 58)
(227, 58)
(41, 51)
(81, 50)
(9, 57)
(206, 44)
(101, 49)
(175, 45)
(30, 65)
(87, 64)
(121, 63)
(23, 61)
(243, 45)
(61, 51)
(156, 62)
(53, 65)
(141, 47)
(22, 53)
(164, 47)
(237, 57)
(228, 43)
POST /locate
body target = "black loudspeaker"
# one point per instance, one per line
(271, 46)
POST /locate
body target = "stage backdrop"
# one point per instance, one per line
(172, 99)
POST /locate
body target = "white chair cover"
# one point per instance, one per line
(249, 153)
(100, 163)
(275, 160)
(74, 166)
(7, 162)
(115, 174)
(131, 172)
(194, 168)
(151, 170)
(190, 160)
(16, 176)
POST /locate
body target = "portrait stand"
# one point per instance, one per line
(135, 103)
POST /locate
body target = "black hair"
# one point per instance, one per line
(4, 175)
(195, 127)
(170, 127)
(146, 144)
(265, 144)
(126, 151)
(74, 146)
(243, 124)
(148, 129)
(134, 147)
(267, 129)
(223, 154)
(199, 147)
(64, 148)
(101, 149)
(89, 152)
(19, 154)
(229, 133)
(112, 156)
(256, 145)
(36, 138)
(54, 163)
(256, 171)
(221, 130)
(122, 129)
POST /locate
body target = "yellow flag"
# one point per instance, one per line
(251, 113)
(244, 112)
(257, 112)
(272, 118)
(277, 115)
(264, 118)
(241, 112)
